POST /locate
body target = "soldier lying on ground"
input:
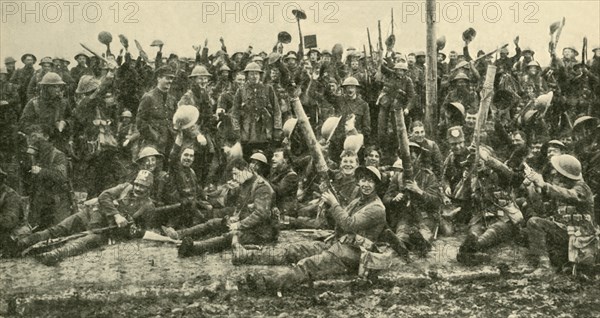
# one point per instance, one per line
(116, 207)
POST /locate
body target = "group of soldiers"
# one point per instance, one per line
(212, 151)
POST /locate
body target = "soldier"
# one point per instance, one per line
(432, 158)
(569, 233)
(254, 217)
(82, 67)
(150, 159)
(505, 63)
(51, 110)
(397, 94)
(521, 66)
(10, 110)
(22, 76)
(534, 78)
(413, 205)
(156, 110)
(489, 190)
(284, 181)
(256, 116)
(462, 92)
(12, 216)
(50, 202)
(9, 63)
(455, 163)
(47, 65)
(117, 207)
(358, 227)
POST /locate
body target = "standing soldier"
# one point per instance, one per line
(50, 202)
(256, 116)
(22, 76)
(397, 94)
(156, 111)
(50, 109)
(9, 63)
(10, 109)
(81, 68)
(570, 233)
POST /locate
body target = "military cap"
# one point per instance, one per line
(46, 59)
(165, 70)
(9, 60)
(369, 171)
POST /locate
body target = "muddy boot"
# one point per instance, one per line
(395, 243)
(418, 243)
(469, 254)
(213, 225)
(72, 248)
(31, 239)
(190, 248)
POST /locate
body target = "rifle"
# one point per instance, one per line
(584, 52)
(484, 56)
(367, 70)
(370, 44)
(46, 245)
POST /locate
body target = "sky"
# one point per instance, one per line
(57, 27)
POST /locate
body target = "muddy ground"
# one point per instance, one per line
(146, 279)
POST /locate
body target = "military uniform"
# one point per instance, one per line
(10, 105)
(154, 119)
(48, 112)
(11, 215)
(21, 78)
(285, 184)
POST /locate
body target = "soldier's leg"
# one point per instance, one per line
(495, 234)
(276, 255)
(72, 248)
(547, 242)
(215, 244)
(217, 225)
(73, 224)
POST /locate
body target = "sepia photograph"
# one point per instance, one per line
(187, 158)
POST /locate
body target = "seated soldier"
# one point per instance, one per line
(255, 216)
(116, 208)
(357, 228)
(570, 234)
(12, 222)
(284, 181)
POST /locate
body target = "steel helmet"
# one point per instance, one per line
(223, 68)
(199, 70)
(534, 63)
(544, 100)
(257, 58)
(87, 83)
(398, 165)
(460, 76)
(369, 171)
(9, 60)
(185, 117)
(253, 67)
(201, 140)
(401, 66)
(288, 127)
(528, 49)
(568, 166)
(458, 106)
(126, 114)
(259, 157)
(325, 52)
(145, 178)
(148, 152)
(26, 55)
(504, 50)
(419, 53)
(354, 143)
(157, 43)
(329, 127)
(80, 54)
(274, 57)
(47, 60)
(572, 48)
(584, 120)
(350, 81)
(51, 78)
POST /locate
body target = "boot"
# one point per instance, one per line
(395, 243)
(218, 225)
(31, 239)
(486, 240)
(418, 243)
(468, 253)
(190, 248)
(72, 248)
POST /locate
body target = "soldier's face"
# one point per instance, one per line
(400, 72)
(350, 90)
(533, 70)
(457, 146)
(47, 67)
(453, 55)
(568, 53)
(253, 77)
(597, 53)
(290, 62)
(278, 160)
(517, 140)
(366, 185)
(81, 60)
(326, 58)
(349, 165)
(553, 151)
(10, 67)
(372, 159)
(528, 56)
(240, 176)
(164, 82)
(470, 121)
(411, 59)
(28, 61)
(149, 163)
(568, 140)
(140, 191)
(419, 133)
(274, 74)
(421, 59)
(54, 90)
(240, 78)
(202, 81)
(314, 56)
(187, 158)
(354, 64)
(440, 58)
(536, 148)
